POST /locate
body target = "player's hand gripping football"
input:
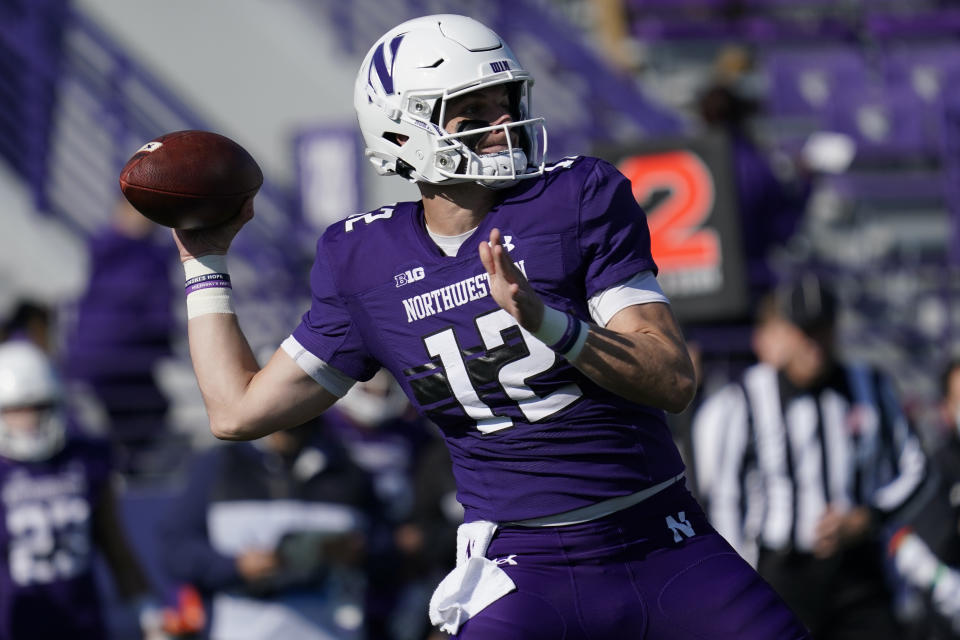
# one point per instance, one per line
(508, 286)
(212, 240)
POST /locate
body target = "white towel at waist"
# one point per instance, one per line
(474, 583)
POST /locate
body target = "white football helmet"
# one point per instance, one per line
(402, 91)
(372, 403)
(27, 380)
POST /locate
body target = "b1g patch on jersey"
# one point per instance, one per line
(409, 276)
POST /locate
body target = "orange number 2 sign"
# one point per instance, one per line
(678, 242)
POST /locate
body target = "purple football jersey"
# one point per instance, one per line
(47, 588)
(529, 435)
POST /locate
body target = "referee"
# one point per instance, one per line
(801, 461)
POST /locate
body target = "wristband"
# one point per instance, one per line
(207, 286)
(562, 332)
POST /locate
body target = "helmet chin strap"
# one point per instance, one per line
(502, 163)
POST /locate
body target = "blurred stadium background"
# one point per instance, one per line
(859, 99)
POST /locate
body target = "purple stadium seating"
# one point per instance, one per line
(928, 71)
(676, 5)
(658, 28)
(769, 31)
(885, 124)
(804, 82)
(900, 25)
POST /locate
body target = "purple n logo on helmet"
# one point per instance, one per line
(379, 63)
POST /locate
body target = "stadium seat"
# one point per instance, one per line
(895, 24)
(804, 82)
(924, 70)
(885, 123)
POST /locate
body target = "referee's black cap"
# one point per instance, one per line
(807, 302)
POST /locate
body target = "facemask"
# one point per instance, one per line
(40, 443)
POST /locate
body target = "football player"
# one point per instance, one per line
(517, 305)
(57, 508)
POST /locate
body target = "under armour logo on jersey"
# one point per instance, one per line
(679, 526)
(508, 560)
(507, 243)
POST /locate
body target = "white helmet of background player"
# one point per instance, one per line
(374, 402)
(29, 384)
(403, 88)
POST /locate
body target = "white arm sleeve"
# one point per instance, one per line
(639, 289)
(331, 379)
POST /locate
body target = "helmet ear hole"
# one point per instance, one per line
(394, 137)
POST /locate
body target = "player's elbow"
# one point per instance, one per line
(684, 390)
(678, 395)
(222, 431)
(672, 393)
(232, 428)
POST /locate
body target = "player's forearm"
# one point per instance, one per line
(245, 401)
(644, 367)
(224, 365)
(226, 369)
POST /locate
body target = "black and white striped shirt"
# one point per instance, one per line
(769, 458)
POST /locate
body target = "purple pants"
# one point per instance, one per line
(655, 571)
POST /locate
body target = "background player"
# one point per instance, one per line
(58, 509)
(577, 516)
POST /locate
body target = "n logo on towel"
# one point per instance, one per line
(681, 526)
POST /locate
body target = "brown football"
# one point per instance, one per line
(190, 179)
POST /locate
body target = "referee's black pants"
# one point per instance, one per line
(844, 597)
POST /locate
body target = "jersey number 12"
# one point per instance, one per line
(513, 373)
